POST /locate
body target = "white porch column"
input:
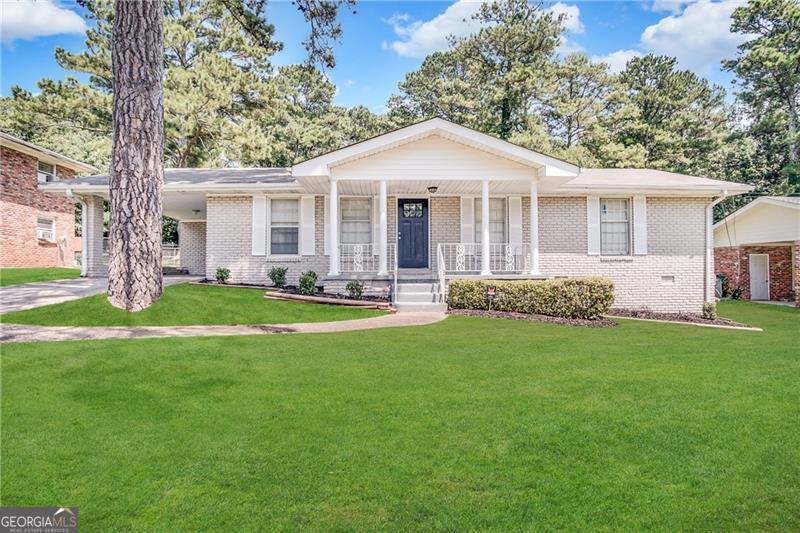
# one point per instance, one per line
(334, 229)
(535, 228)
(92, 237)
(486, 269)
(383, 230)
(84, 238)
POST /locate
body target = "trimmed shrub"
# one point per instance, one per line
(587, 298)
(709, 310)
(278, 276)
(308, 283)
(223, 274)
(355, 289)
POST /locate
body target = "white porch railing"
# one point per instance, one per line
(170, 254)
(466, 258)
(356, 258)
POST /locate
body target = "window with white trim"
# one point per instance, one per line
(46, 229)
(46, 172)
(497, 220)
(615, 226)
(284, 226)
(355, 226)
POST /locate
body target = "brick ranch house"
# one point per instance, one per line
(758, 249)
(37, 228)
(436, 201)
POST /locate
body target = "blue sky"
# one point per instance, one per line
(385, 40)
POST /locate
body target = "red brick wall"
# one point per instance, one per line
(19, 246)
(735, 264)
(21, 203)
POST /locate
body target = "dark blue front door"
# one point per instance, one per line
(412, 233)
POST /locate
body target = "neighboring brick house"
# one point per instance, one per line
(757, 249)
(37, 228)
(411, 203)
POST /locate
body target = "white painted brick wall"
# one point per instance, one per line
(192, 236)
(676, 246)
(230, 221)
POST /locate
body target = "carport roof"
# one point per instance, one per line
(187, 179)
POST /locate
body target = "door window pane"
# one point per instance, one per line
(284, 226)
(356, 223)
(497, 220)
(614, 226)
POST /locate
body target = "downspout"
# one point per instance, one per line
(708, 285)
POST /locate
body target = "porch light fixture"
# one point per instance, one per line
(432, 189)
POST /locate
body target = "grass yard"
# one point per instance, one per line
(467, 424)
(186, 304)
(16, 276)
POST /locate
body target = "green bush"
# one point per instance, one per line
(568, 297)
(355, 289)
(223, 274)
(308, 283)
(278, 276)
(709, 310)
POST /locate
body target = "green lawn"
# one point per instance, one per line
(15, 276)
(467, 424)
(186, 305)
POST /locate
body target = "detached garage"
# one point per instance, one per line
(757, 249)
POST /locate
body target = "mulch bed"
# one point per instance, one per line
(691, 318)
(599, 323)
(291, 289)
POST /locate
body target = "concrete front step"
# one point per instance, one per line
(429, 307)
(417, 297)
(415, 288)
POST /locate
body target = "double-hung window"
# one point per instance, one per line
(45, 229)
(356, 220)
(46, 172)
(497, 220)
(615, 226)
(284, 226)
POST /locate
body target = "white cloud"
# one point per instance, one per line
(699, 37)
(572, 16)
(668, 6)
(616, 60)
(29, 19)
(419, 38)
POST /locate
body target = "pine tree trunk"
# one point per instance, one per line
(137, 60)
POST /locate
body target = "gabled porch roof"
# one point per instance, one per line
(433, 152)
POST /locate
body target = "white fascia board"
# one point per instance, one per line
(756, 203)
(66, 186)
(654, 191)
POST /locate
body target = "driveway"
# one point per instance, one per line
(29, 295)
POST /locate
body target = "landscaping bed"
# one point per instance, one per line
(595, 323)
(691, 318)
(328, 298)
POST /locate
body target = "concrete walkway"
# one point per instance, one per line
(24, 333)
(30, 295)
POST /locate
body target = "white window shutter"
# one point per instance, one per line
(639, 225)
(376, 226)
(467, 219)
(259, 237)
(307, 241)
(327, 216)
(515, 219)
(593, 224)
